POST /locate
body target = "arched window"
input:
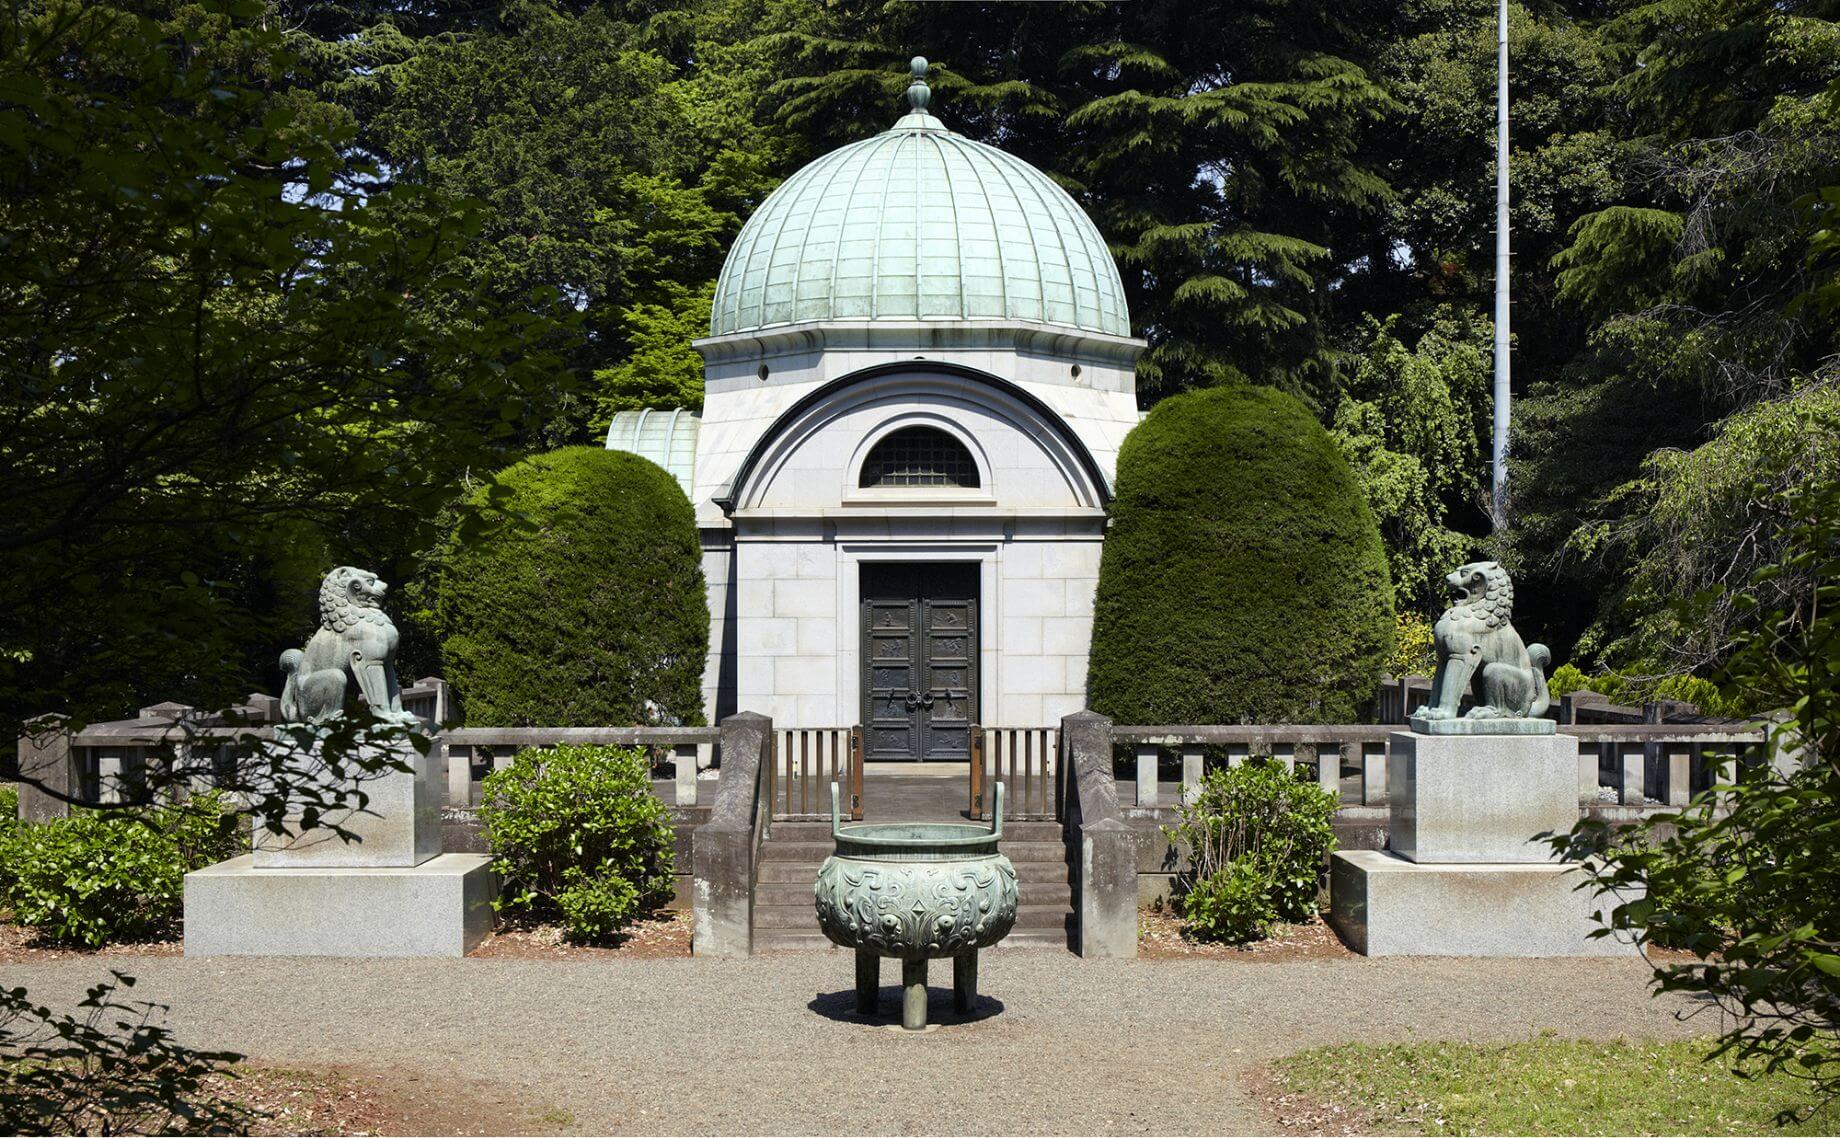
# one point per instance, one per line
(919, 456)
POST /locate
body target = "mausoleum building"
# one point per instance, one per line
(918, 375)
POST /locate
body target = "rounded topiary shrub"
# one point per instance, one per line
(579, 837)
(591, 613)
(110, 875)
(1243, 578)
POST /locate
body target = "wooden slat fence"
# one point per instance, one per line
(807, 761)
(1027, 760)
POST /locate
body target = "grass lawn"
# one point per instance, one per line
(1545, 1085)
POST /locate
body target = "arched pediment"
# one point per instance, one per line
(1026, 456)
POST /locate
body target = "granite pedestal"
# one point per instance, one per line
(1463, 874)
(393, 893)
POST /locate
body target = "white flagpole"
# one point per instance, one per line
(1499, 465)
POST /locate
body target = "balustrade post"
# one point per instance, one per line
(47, 769)
(1146, 776)
(1192, 763)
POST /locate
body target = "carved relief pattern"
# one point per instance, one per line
(915, 910)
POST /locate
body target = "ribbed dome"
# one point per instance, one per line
(919, 223)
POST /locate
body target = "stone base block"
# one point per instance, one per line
(1383, 905)
(399, 824)
(1469, 798)
(442, 907)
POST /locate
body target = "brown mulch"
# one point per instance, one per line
(1161, 936)
(1289, 1113)
(25, 946)
(666, 935)
(350, 1100)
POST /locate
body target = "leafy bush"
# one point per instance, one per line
(1414, 647)
(1256, 838)
(9, 811)
(596, 616)
(1620, 688)
(579, 836)
(100, 876)
(1243, 578)
(1744, 877)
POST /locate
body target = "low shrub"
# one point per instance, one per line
(1256, 840)
(103, 875)
(580, 837)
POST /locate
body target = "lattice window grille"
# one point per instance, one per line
(919, 456)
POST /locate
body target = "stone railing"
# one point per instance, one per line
(108, 763)
(1399, 697)
(1636, 765)
(682, 753)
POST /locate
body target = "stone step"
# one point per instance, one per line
(777, 871)
(796, 893)
(940, 972)
(816, 852)
(803, 916)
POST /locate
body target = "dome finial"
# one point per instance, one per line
(918, 93)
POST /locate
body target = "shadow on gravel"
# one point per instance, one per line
(841, 1006)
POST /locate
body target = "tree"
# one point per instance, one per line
(584, 608)
(615, 166)
(221, 365)
(1689, 282)
(1243, 578)
(1413, 424)
(1743, 878)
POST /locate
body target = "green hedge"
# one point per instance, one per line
(100, 876)
(596, 618)
(1243, 579)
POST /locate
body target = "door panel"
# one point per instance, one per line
(920, 660)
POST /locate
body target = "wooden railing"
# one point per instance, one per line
(807, 761)
(1638, 764)
(1027, 760)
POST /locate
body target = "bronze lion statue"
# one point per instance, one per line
(1479, 652)
(355, 641)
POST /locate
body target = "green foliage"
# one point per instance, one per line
(1257, 842)
(615, 167)
(1747, 883)
(108, 1069)
(1652, 449)
(1414, 647)
(1546, 1085)
(1243, 577)
(103, 876)
(1414, 425)
(229, 356)
(1618, 687)
(584, 606)
(579, 836)
(9, 811)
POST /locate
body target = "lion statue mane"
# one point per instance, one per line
(355, 641)
(1480, 653)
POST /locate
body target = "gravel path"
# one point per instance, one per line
(770, 1044)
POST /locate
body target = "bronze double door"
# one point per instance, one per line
(920, 657)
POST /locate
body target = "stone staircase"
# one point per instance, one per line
(784, 917)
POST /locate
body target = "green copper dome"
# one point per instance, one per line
(919, 223)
